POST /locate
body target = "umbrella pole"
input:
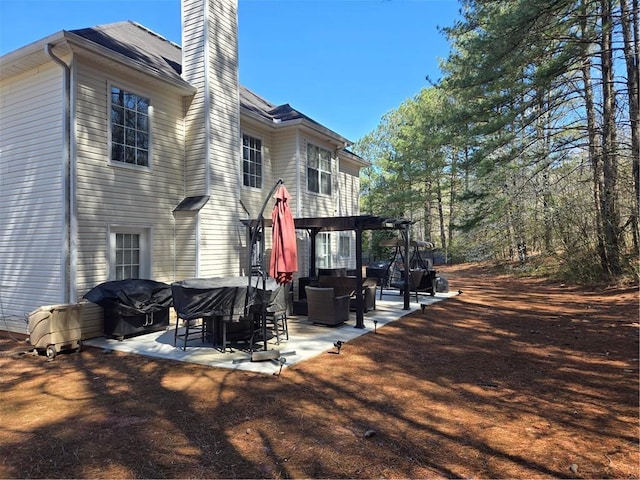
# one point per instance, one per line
(254, 235)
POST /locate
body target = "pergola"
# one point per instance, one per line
(358, 224)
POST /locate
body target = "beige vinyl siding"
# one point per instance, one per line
(185, 244)
(92, 325)
(210, 64)
(285, 160)
(193, 71)
(349, 181)
(315, 204)
(31, 191)
(112, 195)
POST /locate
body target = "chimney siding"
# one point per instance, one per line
(212, 156)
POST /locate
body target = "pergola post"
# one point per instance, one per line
(359, 296)
(407, 267)
(312, 253)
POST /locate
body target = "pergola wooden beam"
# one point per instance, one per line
(358, 224)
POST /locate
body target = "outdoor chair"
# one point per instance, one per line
(369, 292)
(325, 308)
(195, 329)
(276, 315)
(415, 277)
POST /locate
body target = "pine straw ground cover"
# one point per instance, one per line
(514, 378)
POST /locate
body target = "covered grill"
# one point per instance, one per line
(132, 306)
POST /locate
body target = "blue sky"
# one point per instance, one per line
(344, 63)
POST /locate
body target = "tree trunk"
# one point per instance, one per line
(610, 209)
(631, 41)
(452, 199)
(443, 237)
(543, 139)
(594, 139)
(428, 207)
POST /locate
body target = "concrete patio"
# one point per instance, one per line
(305, 339)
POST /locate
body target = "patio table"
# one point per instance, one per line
(221, 301)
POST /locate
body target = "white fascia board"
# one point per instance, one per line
(332, 136)
(28, 57)
(355, 158)
(248, 113)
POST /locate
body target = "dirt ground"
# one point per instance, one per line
(514, 378)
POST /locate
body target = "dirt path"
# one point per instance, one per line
(514, 378)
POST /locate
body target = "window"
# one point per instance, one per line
(318, 170)
(344, 246)
(323, 249)
(251, 161)
(127, 256)
(129, 253)
(129, 128)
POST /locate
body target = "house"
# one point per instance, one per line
(123, 155)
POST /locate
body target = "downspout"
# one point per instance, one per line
(338, 208)
(69, 289)
(298, 179)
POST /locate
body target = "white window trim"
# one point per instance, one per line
(128, 88)
(146, 253)
(256, 137)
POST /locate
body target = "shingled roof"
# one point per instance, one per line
(140, 44)
(137, 43)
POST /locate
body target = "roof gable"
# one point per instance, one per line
(140, 44)
(156, 55)
(137, 43)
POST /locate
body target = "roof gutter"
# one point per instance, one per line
(339, 139)
(69, 289)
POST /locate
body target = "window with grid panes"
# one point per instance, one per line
(251, 161)
(129, 127)
(323, 250)
(127, 264)
(318, 170)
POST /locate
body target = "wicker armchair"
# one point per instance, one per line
(325, 308)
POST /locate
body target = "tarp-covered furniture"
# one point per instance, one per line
(133, 306)
(325, 307)
(227, 307)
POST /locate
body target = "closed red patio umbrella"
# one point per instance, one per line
(284, 251)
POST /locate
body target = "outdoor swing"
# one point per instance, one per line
(422, 275)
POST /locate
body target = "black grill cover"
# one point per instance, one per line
(225, 296)
(133, 296)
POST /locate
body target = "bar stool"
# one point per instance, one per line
(199, 328)
(277, 321)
